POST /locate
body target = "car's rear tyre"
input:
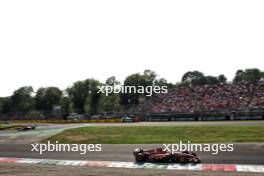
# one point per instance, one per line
(140, 158)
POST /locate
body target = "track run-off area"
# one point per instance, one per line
(15, 148)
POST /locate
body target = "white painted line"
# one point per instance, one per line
(184, 167)
(250, 168)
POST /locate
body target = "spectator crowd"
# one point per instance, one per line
(207, 98)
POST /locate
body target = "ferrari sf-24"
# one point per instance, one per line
(163, 156)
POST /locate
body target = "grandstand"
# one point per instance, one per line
(206, 102)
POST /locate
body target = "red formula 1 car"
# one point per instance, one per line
(161, 156)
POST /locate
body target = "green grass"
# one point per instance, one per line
(161, 134)
(8, 126)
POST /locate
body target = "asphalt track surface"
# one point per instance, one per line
(243, 153)
(17, 144)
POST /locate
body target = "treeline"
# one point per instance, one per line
(82, 96)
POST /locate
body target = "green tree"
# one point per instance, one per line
(148, 78)
(111, 81)
(110, 103)
(22, 101)
(47, 98)
(83, 95)
(77, 94)
(136, 80)
(191, 75)
(194, 78)
(163, 82)
(249, 75)
(222, 79)
(65, 106)
(5, 105)
(252, 75)
(93, 99)
(238, 76)
(211, 80)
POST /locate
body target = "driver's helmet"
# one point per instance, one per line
(138, 150)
